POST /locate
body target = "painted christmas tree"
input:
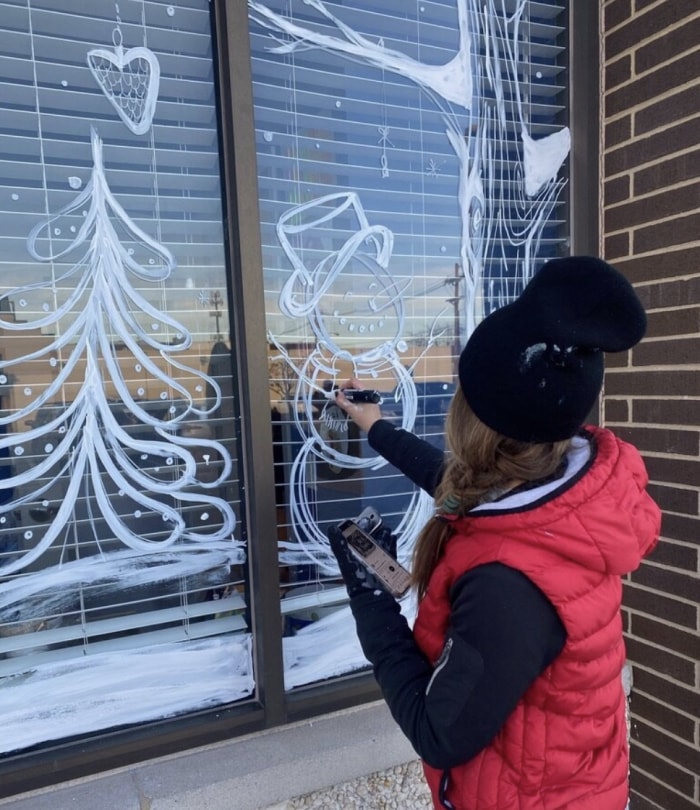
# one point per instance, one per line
(112, 454)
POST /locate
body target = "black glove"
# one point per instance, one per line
(358, 579)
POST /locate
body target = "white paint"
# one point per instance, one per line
(122, 76)
(128, 686)
(451, 81)
(543, 158)
(51, 590)
(92, 441)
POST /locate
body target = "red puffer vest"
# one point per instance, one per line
(565, 744)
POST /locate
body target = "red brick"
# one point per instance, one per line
(616, 410)
(685, 699)
(651, 383)
(667, 772)
(672, 232)
(683, 754)
(661, 439)
(657, 146)
(671, 294)
(617, 246)
(618, 131)
(646, 26)
(682, 527)
(664, 635)
(651, 657)
(681, 351)
(616, 12)
(667, 323)
(672, 261)
(662, 797)
(651, 208)
(616, 190)
(667, 110)
(618, 72)
(683, 614)
(671, 172)
(673, 499)
(684, 586)
(683, 38)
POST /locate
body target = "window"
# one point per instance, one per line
(410, 161)
(121, 564)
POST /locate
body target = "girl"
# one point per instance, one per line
(509, 685)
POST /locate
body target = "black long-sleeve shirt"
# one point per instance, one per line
(503, 633)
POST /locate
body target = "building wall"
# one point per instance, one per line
(650, 230)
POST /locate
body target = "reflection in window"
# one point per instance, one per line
(410, 173)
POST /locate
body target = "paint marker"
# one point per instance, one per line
(362, 395)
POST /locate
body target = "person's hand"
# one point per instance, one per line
(363, 414)
(358, 579)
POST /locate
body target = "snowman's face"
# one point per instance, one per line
(362, 308)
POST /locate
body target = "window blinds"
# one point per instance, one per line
(411, 159)
(119, 473)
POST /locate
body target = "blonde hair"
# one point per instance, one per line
(481, 465)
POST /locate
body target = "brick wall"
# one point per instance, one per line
(651, 230)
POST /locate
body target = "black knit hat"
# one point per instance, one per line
(532, 369)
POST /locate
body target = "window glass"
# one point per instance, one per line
(122, 580)
(411, 161)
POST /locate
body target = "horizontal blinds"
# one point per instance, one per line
(394, 212)
(120, 494)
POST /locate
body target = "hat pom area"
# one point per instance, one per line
(532, 369)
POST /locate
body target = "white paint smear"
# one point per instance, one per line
(128, 686)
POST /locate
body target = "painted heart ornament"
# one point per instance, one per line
(129, 79)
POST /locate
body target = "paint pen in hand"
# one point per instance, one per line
(359, 395)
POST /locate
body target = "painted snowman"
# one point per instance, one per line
(341, 286)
